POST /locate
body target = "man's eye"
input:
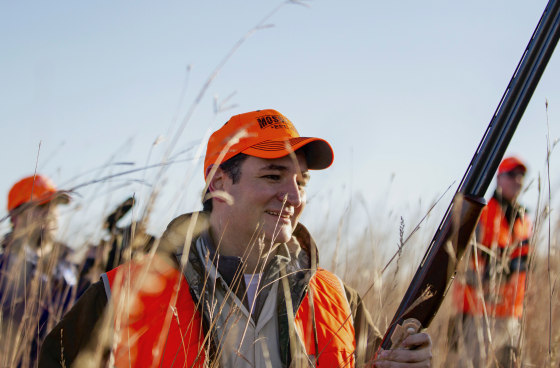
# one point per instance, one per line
(272, 177)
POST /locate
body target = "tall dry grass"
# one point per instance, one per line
(359, 257)
(382, 291)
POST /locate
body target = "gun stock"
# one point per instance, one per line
(437, 269)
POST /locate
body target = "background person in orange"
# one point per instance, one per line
(498, 271)
(37, 283)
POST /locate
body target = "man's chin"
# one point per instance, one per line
(282, 236)
(277, 232)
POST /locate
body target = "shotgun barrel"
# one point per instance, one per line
(437, 269)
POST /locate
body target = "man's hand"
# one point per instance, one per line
(414, 351)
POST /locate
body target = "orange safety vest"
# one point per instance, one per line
(496, 231)
(162, 327)
(336, 342)
(156, 321)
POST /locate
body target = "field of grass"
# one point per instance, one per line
(382, 286)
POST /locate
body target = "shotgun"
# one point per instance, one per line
(437, 269)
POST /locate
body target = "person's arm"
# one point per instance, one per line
(366, 333)
(75, 331)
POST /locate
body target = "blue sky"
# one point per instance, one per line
(402, 90)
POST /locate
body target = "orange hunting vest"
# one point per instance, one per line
(495, 230)
(336, 342)
(156, 321)
(155, 334)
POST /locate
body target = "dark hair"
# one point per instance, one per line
(232, 168)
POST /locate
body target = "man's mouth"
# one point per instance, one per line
(283, 215)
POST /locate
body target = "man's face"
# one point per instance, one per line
(38, 223)
(511, 183)
(268, 199)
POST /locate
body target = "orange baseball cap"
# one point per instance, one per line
(264, 134)
(35, 188)
(510, 163)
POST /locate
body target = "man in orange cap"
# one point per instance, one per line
(36, 281)
(33, 212)
(495, 278)
(238, 284)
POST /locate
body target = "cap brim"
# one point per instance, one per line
(59, 197)
(318, 152)
(62, 197)
(512, 166)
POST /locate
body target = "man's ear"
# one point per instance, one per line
(216, 177)
(500, 180)
(218, 185)
(14, 220)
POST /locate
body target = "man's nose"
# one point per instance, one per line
(519, 179)
(292, 194)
